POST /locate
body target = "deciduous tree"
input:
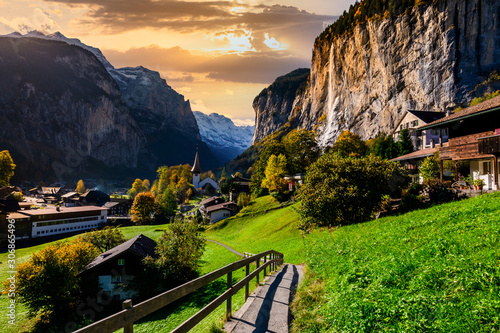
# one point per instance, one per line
(143, 208)
(104, 239)
(349, 144)
(340, 191)
(48, 282)
(80, 187)
(7, 167)
(275, 171)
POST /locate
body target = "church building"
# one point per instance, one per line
(196, 171)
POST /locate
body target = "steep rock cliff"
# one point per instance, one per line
(275, 104)
(60, 110)
(431, 58)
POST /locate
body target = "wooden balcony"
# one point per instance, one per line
(489, 145)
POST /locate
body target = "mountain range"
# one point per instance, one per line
(64, 104)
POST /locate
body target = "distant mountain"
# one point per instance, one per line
(75, 97)
(225, 139)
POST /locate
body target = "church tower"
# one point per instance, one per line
(196, 170)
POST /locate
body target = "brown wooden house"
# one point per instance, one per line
(474, 135)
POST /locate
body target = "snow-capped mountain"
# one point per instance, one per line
(225, 139)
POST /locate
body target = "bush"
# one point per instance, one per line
(340, 191)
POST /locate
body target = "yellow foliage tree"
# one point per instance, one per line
(80, 187)
(143, 208)
(7, 167)
(48, 282)
(274, 173)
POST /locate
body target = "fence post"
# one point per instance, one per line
(247, 271)
(258, 265)
(229, 286)
(127, 304)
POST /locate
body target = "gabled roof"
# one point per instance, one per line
(196, 167)
(416, 154)
(140, 245)
(69, 194)
(50, 190)
(111, 204)
(427, 116)
(481, 108)
(210, 200)
(221, 206)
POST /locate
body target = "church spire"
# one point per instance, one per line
(196, 167)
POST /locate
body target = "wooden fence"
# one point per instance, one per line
(132, 313)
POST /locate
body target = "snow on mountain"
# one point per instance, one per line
(225, 139)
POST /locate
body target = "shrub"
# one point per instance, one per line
(340, 191)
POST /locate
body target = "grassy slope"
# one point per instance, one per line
(215, 256)
(434, 270)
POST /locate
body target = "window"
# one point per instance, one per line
(38, 232)
(116, 279)
(121, 262)
(445, 132)
(414, 123)
(434, 132)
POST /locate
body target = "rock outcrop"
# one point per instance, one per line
(435, 57)
(60, 110)
(275, 104)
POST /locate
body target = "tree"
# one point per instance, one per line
(137, 187)
(7, 167)
(145, 185)
(301, 150)
(178, 251)
(104, 239)
(340, 191)
(166, 206)
(275, 171)
(384, 146)
(80, 187)
(405, 145)
(429, 169)
(259, 167)
(243, 200)
(143, 208)
(48, 282)
(349, 144)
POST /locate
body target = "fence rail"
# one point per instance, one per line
(131, 313)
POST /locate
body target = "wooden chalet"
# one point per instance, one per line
(474, 135)
(413, 120)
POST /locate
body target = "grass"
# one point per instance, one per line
(433, 270)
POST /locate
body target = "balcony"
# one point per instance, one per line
(489, 144)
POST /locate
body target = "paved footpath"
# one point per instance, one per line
(267, 309)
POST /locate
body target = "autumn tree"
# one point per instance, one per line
(143, 208)
(274, 173)
(48, 282)
(80, 187)
(244, 200)
(349, 144)
(104, 239)
(259, 167)
(7, 167)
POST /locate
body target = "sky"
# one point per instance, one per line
(218, 54)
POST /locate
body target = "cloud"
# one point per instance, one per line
(229, 92)
(249, 67)
(244, 122)
(189, 16)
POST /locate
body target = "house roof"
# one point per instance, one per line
(481, 108)
(416, 154)
(62, 210)
(425, 116)
(69, 194)
(196, 167)
(50, 190)
(111, 204)
(210, 200)
(221, 206)
(140, 245)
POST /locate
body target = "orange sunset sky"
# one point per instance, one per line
(218, 54)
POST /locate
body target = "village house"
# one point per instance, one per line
(206, 184)
(118, 207)
(238, 185)
(112, 270)
(412, 120)
(474, 135)
(216, 209)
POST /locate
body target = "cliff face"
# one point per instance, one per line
(429, 59)
(275, 105)
(60, 110)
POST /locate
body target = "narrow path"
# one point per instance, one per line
(227, 247)
(267, 309)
